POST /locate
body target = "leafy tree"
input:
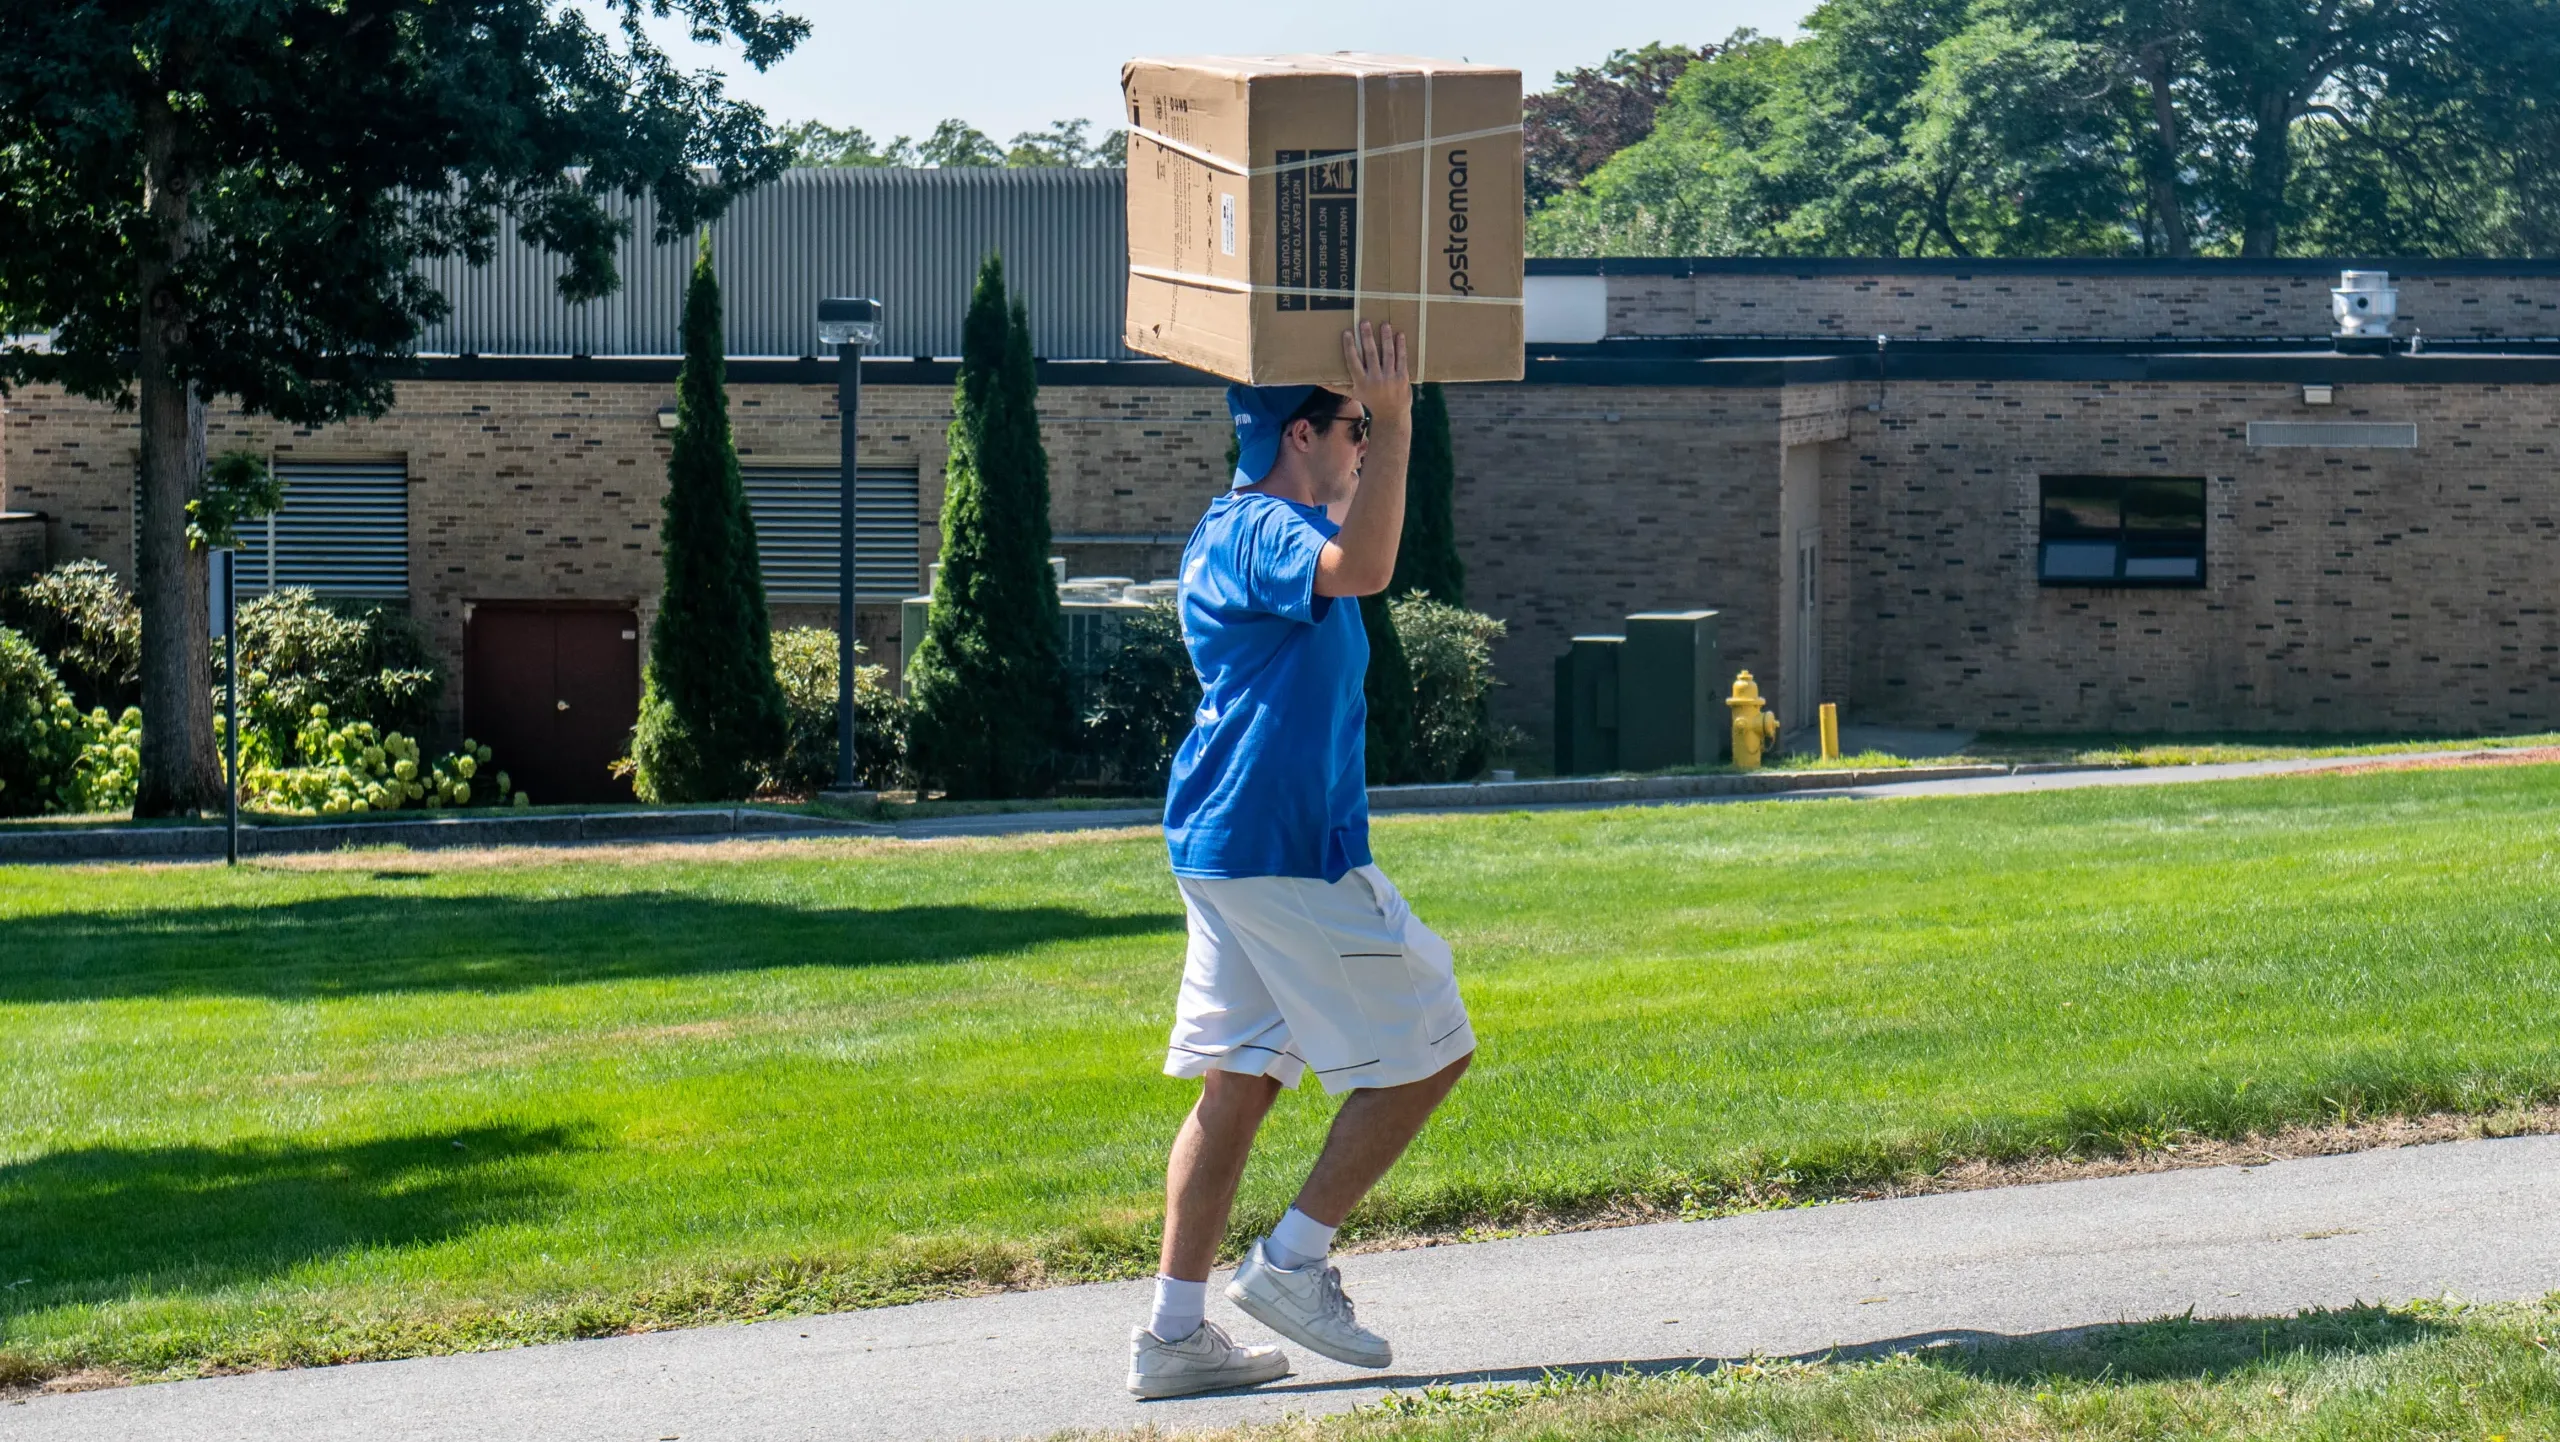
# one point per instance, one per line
(2042, 127)
(712, 717)
(1597, 111)
(232, 197)
(991, 708)
(818, 145)
(1065, 143)
(957, 144)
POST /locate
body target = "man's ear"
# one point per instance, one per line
(1301, 433)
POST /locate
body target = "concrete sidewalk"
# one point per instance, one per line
(2471, 1219)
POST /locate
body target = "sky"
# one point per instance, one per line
(1009, 66)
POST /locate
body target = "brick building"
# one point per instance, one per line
(2062, 496)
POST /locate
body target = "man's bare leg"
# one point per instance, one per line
(1207, 1165)
(1373, 1128)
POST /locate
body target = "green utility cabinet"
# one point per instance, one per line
(1587, 706)
(1642, 701)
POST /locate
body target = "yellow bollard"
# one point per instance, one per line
(1754, 729)
(1830, 731)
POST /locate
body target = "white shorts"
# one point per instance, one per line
(1288, 973)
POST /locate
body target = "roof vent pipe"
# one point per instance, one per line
(2365, 304)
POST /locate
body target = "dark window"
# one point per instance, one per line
(2122, 531)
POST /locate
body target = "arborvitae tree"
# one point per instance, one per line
(1390, 693)
(1427, 560)
(992, 710)
(712, 717)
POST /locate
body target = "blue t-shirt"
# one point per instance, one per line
(1272, 780)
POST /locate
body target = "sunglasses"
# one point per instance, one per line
(1359, 426)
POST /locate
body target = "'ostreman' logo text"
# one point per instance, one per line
(1460, 282)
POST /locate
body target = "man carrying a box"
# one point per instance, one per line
(1302, 956)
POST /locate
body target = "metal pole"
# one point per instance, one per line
(231, 701)
(849, 410)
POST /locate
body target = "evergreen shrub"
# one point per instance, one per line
(712, 716)
(1427, 551)
(1388, 688)
(1143, 702)
(992, 715)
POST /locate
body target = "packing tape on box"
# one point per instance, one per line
(1247, 287)
(1219, 162)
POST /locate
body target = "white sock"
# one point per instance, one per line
(1298, 1240)
(1180, 1306)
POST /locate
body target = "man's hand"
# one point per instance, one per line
(1374, 355)
(1361, 559)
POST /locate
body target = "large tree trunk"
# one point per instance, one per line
(2270, 168)
(180, 774)
(2164, 163)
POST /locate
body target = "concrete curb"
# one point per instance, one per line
(197, 843)
(1567, 790)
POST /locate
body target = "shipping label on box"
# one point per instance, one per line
(1275, 201)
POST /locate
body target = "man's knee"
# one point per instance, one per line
(1236, 1094)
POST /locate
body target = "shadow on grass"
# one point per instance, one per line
(2172, 1348)
(108, 1223)
(351, 946)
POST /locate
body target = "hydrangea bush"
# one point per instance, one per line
(356, 768)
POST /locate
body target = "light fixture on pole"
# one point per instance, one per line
(851, 324)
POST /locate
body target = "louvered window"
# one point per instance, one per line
(344, 531)
(797, 536)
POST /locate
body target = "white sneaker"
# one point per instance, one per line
(1202, 1362)
(1307, 1307)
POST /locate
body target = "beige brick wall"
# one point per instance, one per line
(552, 491)
(2049, 306)
(2347, 590)
(1579, 504)
(2350, 590)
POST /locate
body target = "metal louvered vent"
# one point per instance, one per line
(2336, 435)
(344, 531)
(797, 536)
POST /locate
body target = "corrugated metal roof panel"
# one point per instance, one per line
(910, 238)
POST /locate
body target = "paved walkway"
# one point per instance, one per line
(2470, 1219)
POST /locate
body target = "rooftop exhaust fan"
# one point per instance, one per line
(2365, 303)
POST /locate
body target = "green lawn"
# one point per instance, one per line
(392, 1103)
(2447, 1374)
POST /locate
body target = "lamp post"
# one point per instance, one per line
(226, 563)
(850, 324)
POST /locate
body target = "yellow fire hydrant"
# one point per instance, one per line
(1754, 729)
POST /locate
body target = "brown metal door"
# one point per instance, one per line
(553, 692)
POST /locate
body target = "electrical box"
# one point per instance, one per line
(1587, 706)
(1668, 711)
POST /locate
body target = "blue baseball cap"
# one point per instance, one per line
(1259, 412)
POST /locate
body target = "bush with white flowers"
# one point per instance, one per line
(357, 769)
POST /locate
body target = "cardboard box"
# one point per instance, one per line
(1275, 201)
